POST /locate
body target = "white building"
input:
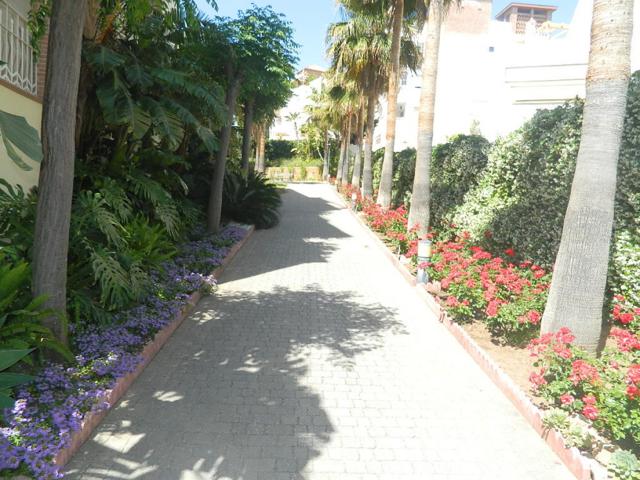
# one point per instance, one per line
(289, 120)
(493, 74)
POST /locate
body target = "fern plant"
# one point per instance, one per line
(21, 316)
(251, 199)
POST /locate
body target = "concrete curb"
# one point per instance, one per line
(93, 419)
(582, 467)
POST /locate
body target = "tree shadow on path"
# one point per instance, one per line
(238, 393)
(305, 219)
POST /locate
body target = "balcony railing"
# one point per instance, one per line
(17, 60)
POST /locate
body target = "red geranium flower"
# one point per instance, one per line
(566, 399)
(590, 412)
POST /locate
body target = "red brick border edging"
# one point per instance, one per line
(93, 419)
(582, 467)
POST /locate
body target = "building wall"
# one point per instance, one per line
(20, 102)
(495, 80)
(31, 110)
(285, 129)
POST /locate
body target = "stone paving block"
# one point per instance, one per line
(314, 361)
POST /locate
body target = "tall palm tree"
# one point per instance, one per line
(386, 179)
(357, 165)
(577, 289)
(360, 48)
(323, 116)
(420, 195)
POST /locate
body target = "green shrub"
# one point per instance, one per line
(455, 169)
(404, 164)
(522, 196)
(252, 199)
(280, 149)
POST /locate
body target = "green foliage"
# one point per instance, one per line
(276, 150)
(455, 169)
(522, 195)
(8, 380)
(624, 465)
(300, 162)
(18, 136)
(404, 164)
(252, 200)
(17, 221)
(21, 316)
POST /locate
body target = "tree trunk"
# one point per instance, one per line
(576, 296)
(421, 192)
(214, 212)
(386, 179)
(327, 153)
(55, 184)
(246, 135)
(261, 148)
(367, 170)
(343, 142)
(347, 154)
(357, 166)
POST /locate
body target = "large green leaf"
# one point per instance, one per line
(17, 134)
(11, 281)
(5, 401)
(9, 357)
(10, 380)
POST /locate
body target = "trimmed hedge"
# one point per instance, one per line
(522, 195)
(455, 169)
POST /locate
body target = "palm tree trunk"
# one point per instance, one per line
(327, 153)
(577, 289)
(420, 194)
(55, 184)
(367, 170)
(246, 135)
(214, 211)
(386, 180)
(357, 167)
(347, 154)
(343, 142)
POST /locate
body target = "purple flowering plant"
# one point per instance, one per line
(51, 408)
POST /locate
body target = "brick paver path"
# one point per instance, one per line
(314, 361)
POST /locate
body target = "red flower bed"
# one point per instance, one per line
(604, 391)
(508, 297)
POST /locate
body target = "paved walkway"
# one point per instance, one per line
(314, 361)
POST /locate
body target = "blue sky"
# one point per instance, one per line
(310, 19)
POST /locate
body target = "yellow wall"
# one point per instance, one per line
(31, 110)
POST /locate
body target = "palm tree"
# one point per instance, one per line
(577, 289)
(293, 117)
(420, 195)
(386, 180)
(360, 49)
(357, 166)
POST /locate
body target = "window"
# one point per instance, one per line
(19, 67)
(403, 77)
(401, 110)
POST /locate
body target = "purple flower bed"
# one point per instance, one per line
(50, 409)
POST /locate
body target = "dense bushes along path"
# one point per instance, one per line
(315, 360)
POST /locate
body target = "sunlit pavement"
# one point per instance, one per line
(314, 361)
